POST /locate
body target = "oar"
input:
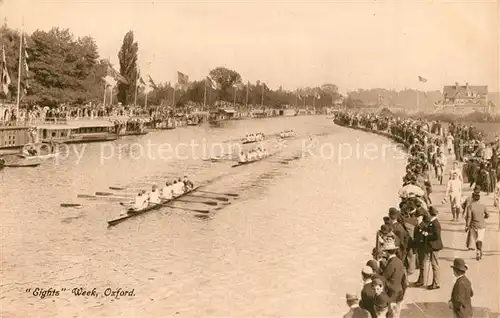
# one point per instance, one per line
(116, 188)
(228, 194)
(69, 205)
(203, 202)
(85, 196)
(173, 207)
(180, 208)
(207, 197)
(104, 193)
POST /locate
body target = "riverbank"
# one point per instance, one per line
(484, 274)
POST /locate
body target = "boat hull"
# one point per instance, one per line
(50, 155)
(131, 213)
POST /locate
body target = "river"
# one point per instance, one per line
(292, 244)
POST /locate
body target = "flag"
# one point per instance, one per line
(115, 75)
(152, 83)
(182, 79)
(26, 56)
(421, 79)
(211, 83)
(139, 82)
(110, 81)
(4, 74)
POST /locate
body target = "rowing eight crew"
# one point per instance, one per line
(254, 137)
(169, 191)
(253, 154)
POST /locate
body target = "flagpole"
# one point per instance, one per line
(111, 96)
(19, 72)
(136, 86)
(105, 91)
(234, 97)
(205, 95)
(173, 98)
(262, 98)
(146, 101)
(246, 98)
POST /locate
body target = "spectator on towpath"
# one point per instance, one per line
(355, 311)
(394, 275)
(462, 293)
(475, 222)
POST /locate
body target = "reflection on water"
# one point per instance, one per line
(291, 244)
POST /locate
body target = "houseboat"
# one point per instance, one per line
(78, 131)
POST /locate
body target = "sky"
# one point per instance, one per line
(353, 44)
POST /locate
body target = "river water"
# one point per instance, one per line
(292, 244)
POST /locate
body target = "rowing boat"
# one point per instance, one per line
(240, 163)
(131, 212)
(19, 165)
(47, 156)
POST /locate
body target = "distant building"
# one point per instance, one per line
(464, 99)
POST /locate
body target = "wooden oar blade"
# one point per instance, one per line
(69, 205)
(104, 193)
(201, 211)
(116, 188)
(210, 203)
(85, 196)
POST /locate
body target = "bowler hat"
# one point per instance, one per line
(393, 213)
(459, 264)
(433, 211)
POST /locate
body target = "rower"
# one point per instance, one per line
(166, 192)
(154, 196)
(140, 201)
(178, 188)
(187, 183)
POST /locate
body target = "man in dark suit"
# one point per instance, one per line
(394, 276)
(399, 230)
(435, 244)
(462, 292)
(419, 244)
(367, 293)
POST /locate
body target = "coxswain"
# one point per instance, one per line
(154, 196)
(166, 192)
(140, 201)
(242, 157)
(187, 183)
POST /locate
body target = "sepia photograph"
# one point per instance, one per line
(235, 158)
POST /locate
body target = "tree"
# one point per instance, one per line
(225, 78)
(63, 70)
(128, 56)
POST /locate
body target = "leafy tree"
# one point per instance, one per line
(226, 79)
(128, 56)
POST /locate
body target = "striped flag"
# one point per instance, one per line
(4, 74)
(182, 79)
(115, 75)
(152, 83)
(211, 83)
(421, 79)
